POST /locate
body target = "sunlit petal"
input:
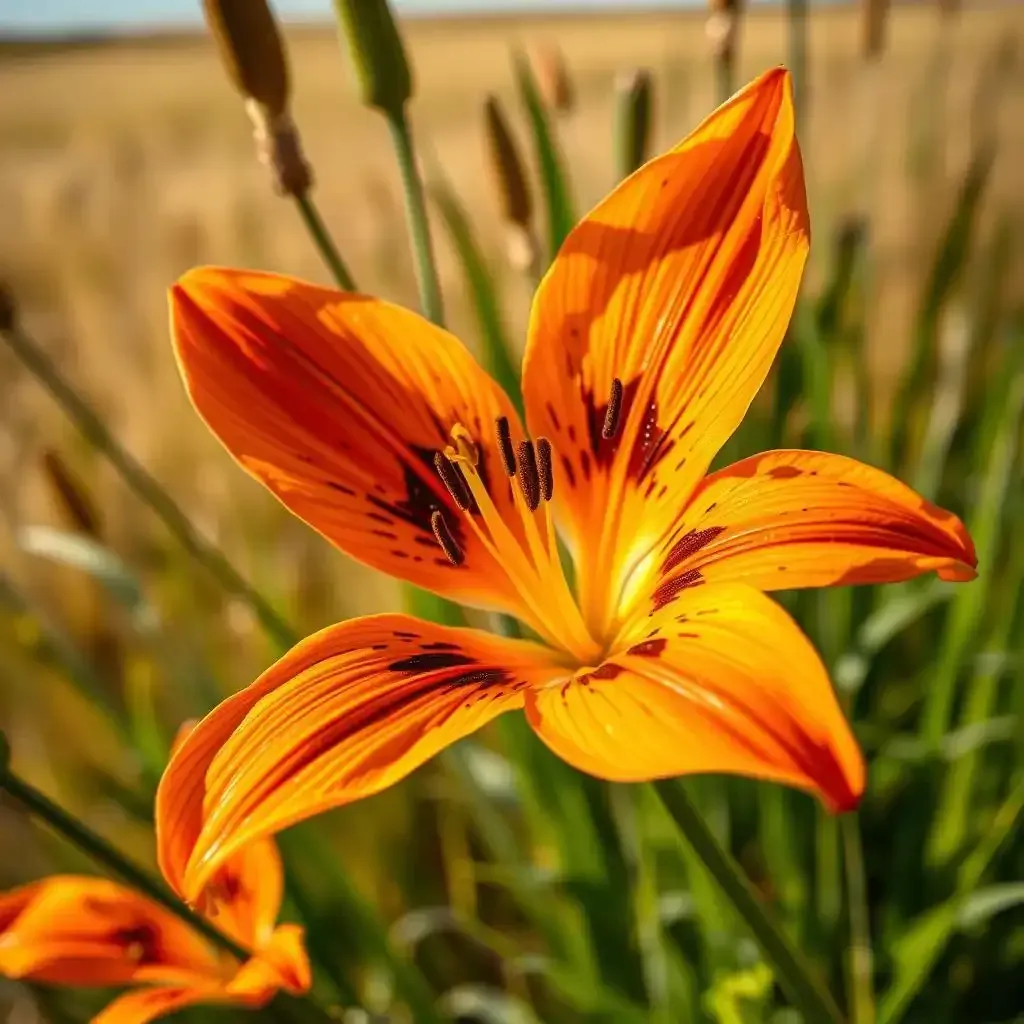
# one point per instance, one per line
(680, 285)
(721, 680)
(788, 519)
(338, 403)
(346, 713)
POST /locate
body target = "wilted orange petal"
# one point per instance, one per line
(145, 1004)
(680, 284)
(246, 894)
(788, 519)
(281, 964)
(78, 930)
(338, 403)
(346, 713)
(721, 680)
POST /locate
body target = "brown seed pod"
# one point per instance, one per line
(251, 50)
(71, 496)
(874, 17)
(510, 182)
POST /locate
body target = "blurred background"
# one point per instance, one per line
(496, 884)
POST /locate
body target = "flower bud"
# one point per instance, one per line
(378, 56)
(251, 50)
(510, 182)
(632, 119)
(553, 79)
(722, 27)
(874, 15)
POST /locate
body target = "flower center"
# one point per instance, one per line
(526, 547)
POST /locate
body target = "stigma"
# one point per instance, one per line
(525, 544)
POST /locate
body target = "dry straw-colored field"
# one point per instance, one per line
(123, 164)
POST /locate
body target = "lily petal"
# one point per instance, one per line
(338, 403)
(721, 680)
(79, 930)
(680, 285)
(787, 519)
(346, 713)
(142, 1005)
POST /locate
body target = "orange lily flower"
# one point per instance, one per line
(84, 931)
(650, 335)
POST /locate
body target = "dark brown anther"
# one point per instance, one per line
(451, 476)
(508, 455)
(444, 537)
(613, 412)
(547, 480)
(529, 478)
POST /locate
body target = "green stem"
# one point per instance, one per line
(792, 969)
(860, 969)
(725, 67)
(324, 243)
(416, 212)
(145, 486)
(797, 11)
(81, 836)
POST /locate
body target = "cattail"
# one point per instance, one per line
(874, 17)
(553, 79)
(378, 56)
(251, 49)
(722, 28)
(71, 496)
(632, 119)
(511, 185)
(8, 311)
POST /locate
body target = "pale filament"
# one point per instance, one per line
(534, 569)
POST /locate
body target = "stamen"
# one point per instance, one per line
(613, 412)
(508, 455)
(451, 476)
(547, 480)
(465, 444)
(443, 534)
(529, 478)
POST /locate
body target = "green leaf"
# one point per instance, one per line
(497, 350)
(550, 165)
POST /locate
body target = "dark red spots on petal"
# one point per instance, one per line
(440, 645)
(435, 661)
(400, 635)
(671, 589)
(341, 488)
(570, 473)
(688, 545)
(485, 678)
(784, 472)
(648, 648)
(553, 416)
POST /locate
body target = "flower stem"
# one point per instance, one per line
(145, 486)
(792, 969)
(416, 212)
(89, 842)
(860, 970)
(324, 243)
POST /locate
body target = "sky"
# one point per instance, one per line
(74, 15)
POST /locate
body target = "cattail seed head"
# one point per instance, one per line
(70, 495)
(722, 27)
(278, 146)
(633, 119)
(8, 310)
(378, 56)
(510, 182)
(553, 79)
(251, 50)
(874, 17)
